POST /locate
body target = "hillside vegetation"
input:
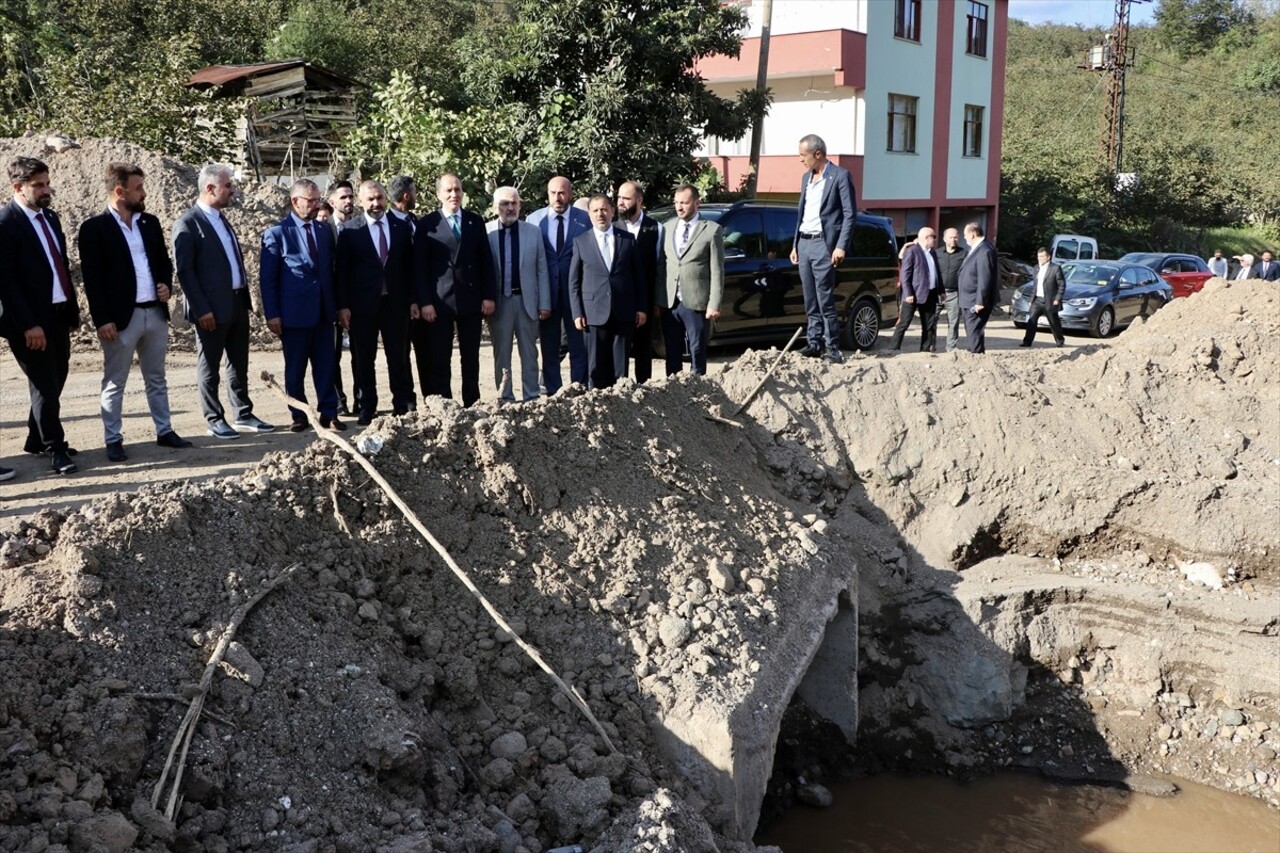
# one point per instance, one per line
(1202, 132)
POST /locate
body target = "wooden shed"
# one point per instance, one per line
(296, 117)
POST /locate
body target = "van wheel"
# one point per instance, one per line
(862, 327)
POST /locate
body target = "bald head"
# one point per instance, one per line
(559, 193)
(926, 237)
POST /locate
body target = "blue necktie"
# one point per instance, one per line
(457, 229)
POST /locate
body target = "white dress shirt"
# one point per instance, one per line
(811, 220)
(228, 242)
(146, 285)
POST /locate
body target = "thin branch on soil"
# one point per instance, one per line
(763, 379)
(336, 438)
(183, 700)
(187, 728)
(337, 511)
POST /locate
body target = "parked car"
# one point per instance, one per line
(1185, 273)
(1101, 296)
(1073, 247)
(763, 300)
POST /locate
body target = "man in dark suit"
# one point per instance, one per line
(128, 279)
(210, 267)
(1267, 269)
(824, 234)
(374, 281)
(921, 283)
(688, 297)
(299, 304)
(607, 293)
(649, 235)
(455, 287)
(342, 198)
(1051, 287)
(979, 287)
(40, 308)
(524, 294)
(560, 223)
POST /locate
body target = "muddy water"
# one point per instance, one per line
(1024, 813)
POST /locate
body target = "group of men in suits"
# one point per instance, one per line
(1244, 267)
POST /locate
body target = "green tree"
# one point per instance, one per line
(1194, 27)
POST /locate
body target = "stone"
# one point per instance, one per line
(91, 791)
(510, 745)
(109, 831)
(238, 663)
(674, 631)
(720, 577)
(1205, 574)
(814, 795)
(498, 773)
(1231, 717)
(573, 808)
(152, 820)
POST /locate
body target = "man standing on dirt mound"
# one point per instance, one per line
(824, 233)
(979, 287)
(298, 302)
(211, 273)
(40, 308)
(128, 278)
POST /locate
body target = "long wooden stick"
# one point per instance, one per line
(768, 373)
(329, 435)
(187, 728)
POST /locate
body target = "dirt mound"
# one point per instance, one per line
(77, 170)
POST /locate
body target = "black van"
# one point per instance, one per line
(763, 300)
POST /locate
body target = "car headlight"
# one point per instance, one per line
(1085, 302)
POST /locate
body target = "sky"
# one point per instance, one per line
(1098, 13)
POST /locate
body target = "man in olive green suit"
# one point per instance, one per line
(688, 296)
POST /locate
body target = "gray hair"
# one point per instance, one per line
(504, 191)
(301, 186)
(814, 143)
(211, 173)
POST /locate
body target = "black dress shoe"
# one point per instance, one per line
(1024, 344)
(365, 418)
(332, 423)
(36, 448)
(115, 452)
(172, 439)
(62, 463)
(810, 351)
(301, 426)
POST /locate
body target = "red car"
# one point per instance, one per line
(1186, 274)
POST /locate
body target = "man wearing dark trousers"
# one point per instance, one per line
(827, 214)
(342, 198)
(298, 302)
(40, 308)
(128, 279)
(649, 240)
(210, 268)
(949, 260)
(606, 294)
(455, 288)
(374, 279)
(921, 284)
(979, 288)
(688, 297)
(1047, 299)
(560, 223)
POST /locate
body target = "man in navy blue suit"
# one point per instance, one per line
(607, 293)
(298, 302)
(560, 223)
(824, 234)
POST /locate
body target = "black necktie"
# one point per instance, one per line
(514, 234)
(311, 243)
(560, 233)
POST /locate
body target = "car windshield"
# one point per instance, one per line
(1092, 275)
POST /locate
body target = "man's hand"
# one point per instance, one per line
(207, 322)
(414, 313)
(344, 318)
(107, 332)
(487, 306)
(35, 339)
(276, 325)
(640, 319)
(428, 313)
(910, 300)
(837, 255)
(795, 256)
(163, 292)
(542, 315)
(580, 323)
(713, 314)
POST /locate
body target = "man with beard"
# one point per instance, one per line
(342, 198)
(648, 233)
(128, 279)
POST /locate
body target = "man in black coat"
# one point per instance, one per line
(39, 300)
(128, 279)
(1046, 299)
(979, 286)
(649, 235)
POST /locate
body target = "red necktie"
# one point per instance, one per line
(311, 243)
(64, 280)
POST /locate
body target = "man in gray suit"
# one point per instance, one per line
(524, 293)
(210, 271)
(689, 297)
(979, 287)
(824, 234)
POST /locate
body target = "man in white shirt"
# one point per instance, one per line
(921, 286)
(1046, 300)
(1218, 265)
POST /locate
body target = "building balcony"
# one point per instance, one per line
(779, 175)
(840, 53)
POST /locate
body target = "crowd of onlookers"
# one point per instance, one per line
(1245, 266)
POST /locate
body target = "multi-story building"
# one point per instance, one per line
(907, 94)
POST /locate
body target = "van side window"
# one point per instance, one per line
(744, 236)
(1086, 251)
(872, 241)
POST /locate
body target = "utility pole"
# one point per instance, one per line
(762, 80)
(1113, 59)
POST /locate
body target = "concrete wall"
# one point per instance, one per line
(903, 68)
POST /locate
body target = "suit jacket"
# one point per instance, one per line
(601, 293)
(202, 266)
(453, 272)
(535, 281)
(838, 211)
(651, 241)
(979, 280)
(699, 271)
(359, 273)
(1055, 286)
(1272, 273)
(295, 287)
(1236, 269)
(576, 222)
(110, 280)
(915, 274)
(27, 283)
